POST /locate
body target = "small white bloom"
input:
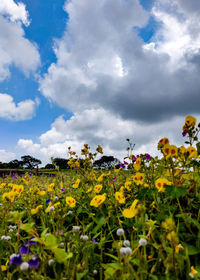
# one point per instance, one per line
(120, 232)
(142, 242)
(95, 271)
(126, 243)
(84, 237)
(51, 208)
(62, 244)
(14, 227)
(125, 251)
(3, 237)
(8, 238)
(55, 197)
(50, 262)
(128, 250)
(47, 234)
(24, 266)
(122, 251)
(69, 212)
(76, 228)
(10, 230)
(191, 275)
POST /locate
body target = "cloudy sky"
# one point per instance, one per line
(96, 72)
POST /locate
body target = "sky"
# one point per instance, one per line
(96, 72)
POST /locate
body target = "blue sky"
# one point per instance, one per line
(84, 71)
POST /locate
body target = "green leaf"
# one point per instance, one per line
(191, 249)
(175, 192)
(50, 240)
(27, 227)
(100, 223)
(198, 148)
(79, 276)
(61, 255)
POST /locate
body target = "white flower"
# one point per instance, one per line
(69, 212)
(8, 238)
(126, 243)
(84, 237)
(3, 237)
(62, 244)
(125, 251)
(120, 232)
(50, 262)
(76, 228)
(55, 197)
(10, 230)
(142, 242)
(95, 271)
(24, 266)
(51, 208)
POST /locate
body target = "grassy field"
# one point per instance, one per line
(96, 224)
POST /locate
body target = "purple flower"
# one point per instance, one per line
(184, 133)
(63, 189)
(48, 200)
(16, 260)
(114, 179)
(30, 174)
(122, 165)
(125, 162)
(24, 249)
(147, 157)
(34, 262)
(94, 241)
(31, 242)
(133, 158)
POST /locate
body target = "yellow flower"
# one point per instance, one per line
(164, 141)
(41, 193)
(127, 185)
(71, 201)
(138, 178)
(2, 185)
(98, 200)
(100, 179)
(178, 248)
(89, 190)
(91, 176)
(137, 164)
(97, 188)
(132, 211)
(36, 210)
(160, 183)
(5, 267)
(192, 152)
(99, 149)
(120, 197)
(172, 237)
(50, 187)
(76, 185)
(190, 121)
(193, 272)
(168, 224)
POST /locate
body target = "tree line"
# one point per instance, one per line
(29, 162)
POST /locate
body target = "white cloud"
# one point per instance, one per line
(115, 70)
(24, 110)
(6, 156)
(101, 127)
(176, 35)
(15, 49)
(15, 11)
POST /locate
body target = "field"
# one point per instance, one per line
(140, 223)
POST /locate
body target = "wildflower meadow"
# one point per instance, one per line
(140, 222)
